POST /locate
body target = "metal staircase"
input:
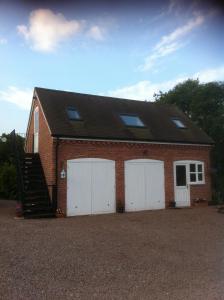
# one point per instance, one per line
(36, 200)
(32, 190)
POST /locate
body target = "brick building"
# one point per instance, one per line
(103, 154)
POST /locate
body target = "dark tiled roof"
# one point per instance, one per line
(101, 120)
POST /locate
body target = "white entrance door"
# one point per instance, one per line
(90, 186)
(36, 131)
(182, 193)
(144, 185)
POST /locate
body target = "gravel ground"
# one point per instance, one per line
(169, 254)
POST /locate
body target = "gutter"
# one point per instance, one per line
(178, 143)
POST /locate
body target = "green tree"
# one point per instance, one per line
(6, 148)
(204, 104)
(8, 187)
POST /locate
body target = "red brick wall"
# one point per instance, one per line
(46, 146)
(124, 151)
(115, 151)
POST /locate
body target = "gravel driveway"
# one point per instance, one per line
(169, 254)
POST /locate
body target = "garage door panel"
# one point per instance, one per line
(134, 180)
(90, 186)
(144, 185)
(79, 191)
(154, 176)
(103, 181)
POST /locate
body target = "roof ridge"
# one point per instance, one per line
(95, 95)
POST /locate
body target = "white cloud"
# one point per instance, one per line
(209, 75)
(171, 43)
(22, 98)
(96, 33)
(144, 90)
(47, 29)
(3, 41)
(180, 32)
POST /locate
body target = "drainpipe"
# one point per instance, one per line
(56, 175)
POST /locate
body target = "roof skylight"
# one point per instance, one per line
(132, 120)
(73, 114)
(178, 123)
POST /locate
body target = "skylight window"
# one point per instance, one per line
(131, 120)
(178, 123)
(73, 114)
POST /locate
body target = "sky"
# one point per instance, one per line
(128, 49)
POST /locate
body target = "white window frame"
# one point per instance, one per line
(36, 120)
(188, 163)
(196, 172)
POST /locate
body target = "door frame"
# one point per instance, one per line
(36, 130)
(186, 164)
(189, 183)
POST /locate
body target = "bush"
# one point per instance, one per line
(8, 185)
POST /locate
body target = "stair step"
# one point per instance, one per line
(29, 162)
(36, 199)
(39, 193)
(40, 215)
(38, 206)
(27, 157)
(27, 154)
(34, 185)
(40, 200)
(27, 171)
(36, 196)
(28, 205)
(32, 177)
(32, 167)
(33, 180)
(33, 209)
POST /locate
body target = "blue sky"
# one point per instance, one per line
(128, 49)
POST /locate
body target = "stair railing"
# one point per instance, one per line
(19, 173)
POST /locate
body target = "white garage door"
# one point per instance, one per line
(90, 186)
(144, 184)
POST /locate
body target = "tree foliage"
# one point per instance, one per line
(204, 104)
(8, 188)
(8, 180)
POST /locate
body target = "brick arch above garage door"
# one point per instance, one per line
(144, 184)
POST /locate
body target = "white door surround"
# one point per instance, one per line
(144, 184)
(36, 130)
(90, 186)
(183, 180)
(182, 192)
